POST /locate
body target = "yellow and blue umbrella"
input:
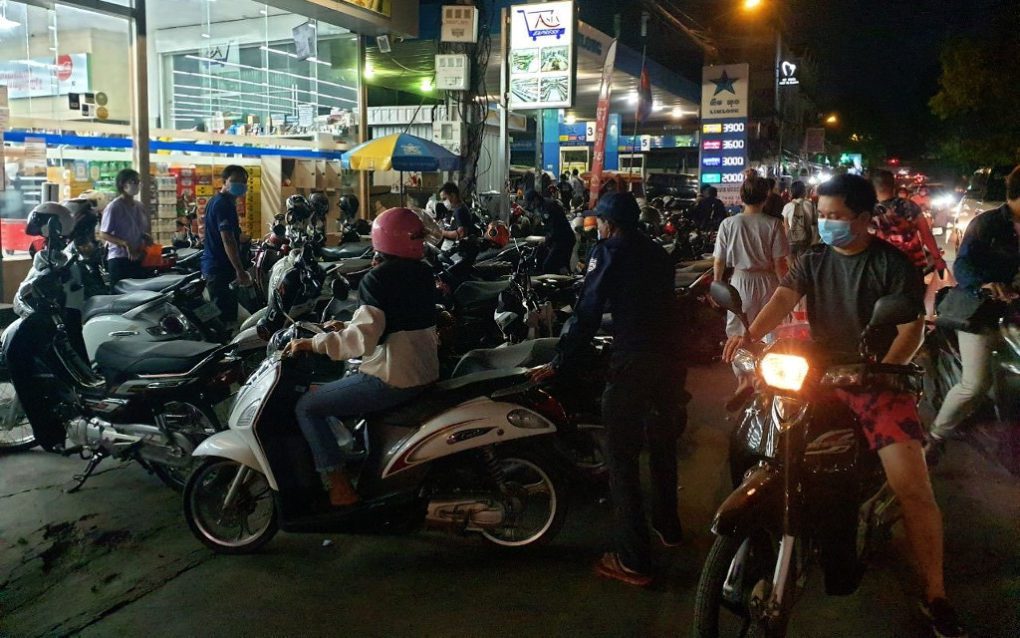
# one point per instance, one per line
(400, 152)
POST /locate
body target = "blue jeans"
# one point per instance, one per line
(351, 396)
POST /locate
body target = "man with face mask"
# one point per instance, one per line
(644, 399)
(221, 257)
(842, 280)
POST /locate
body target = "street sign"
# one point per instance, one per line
(788, 73)
(724, 108)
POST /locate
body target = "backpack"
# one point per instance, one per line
(799, 233)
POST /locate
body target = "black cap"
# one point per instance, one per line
(620, 208)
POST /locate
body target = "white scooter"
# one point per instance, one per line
(474, 454)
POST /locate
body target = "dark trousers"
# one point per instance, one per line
(123, 268)
(644, 401)
(557, 258)
(221, 294)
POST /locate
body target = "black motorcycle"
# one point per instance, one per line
(152, 403)
(809, 487)
(994, 428)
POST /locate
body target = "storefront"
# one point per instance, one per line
(272, 86)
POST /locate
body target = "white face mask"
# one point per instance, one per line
(131, 189)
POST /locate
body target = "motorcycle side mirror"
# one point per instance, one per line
(340, 287)
(726, 296)
(892, 310)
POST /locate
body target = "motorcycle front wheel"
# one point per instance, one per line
(737, 572)
(229, 507)
(534, 501)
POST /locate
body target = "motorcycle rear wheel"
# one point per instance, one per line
(536, 500)
(15, 430)
(229, 530)
(711, 602)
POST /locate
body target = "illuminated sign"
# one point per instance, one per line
(711, 128)
(788, 74)
(711, 178)
(541, 58)
(711, 161)
(711, 145)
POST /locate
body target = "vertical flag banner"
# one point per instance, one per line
(644, 95)
(601, 119)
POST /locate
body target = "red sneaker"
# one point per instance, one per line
(609, 566)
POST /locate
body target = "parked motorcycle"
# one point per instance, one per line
(469, 456)
(810, 489)
(995, 426)
(152, 403)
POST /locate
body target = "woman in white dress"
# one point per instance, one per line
(755, 246)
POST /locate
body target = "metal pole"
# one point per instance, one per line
(140, 99)
(363, 190)
(503, 162)
(779, 101)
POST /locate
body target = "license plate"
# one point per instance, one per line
(207, 312)
(936, 231)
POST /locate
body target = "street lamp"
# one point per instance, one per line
(832, 119)
(754, 5)
(751, 5)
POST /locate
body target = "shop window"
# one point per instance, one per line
(63, 68)
(244, 68)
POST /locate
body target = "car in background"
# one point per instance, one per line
(986, 190)
(680, 186)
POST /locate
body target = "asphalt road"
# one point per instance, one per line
(117, 559)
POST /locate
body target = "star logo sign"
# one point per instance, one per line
(724, 83)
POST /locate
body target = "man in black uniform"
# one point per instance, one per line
(559, 236)
(633, 276)
(462, 223)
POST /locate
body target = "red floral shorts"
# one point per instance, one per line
(885, 417)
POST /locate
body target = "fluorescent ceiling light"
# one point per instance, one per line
(7, 23)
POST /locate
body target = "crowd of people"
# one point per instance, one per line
(860, 241)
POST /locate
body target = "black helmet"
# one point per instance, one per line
(38, 221)
(83, 211)
(349, 206)
(320, 203)
(650, 215)
(298, 209)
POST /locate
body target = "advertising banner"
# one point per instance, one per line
(40, 77)
(724, 109)
(542, 57)
(601, 120)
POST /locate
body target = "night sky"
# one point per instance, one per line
(878, 60)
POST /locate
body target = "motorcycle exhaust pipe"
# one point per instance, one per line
(95, 432)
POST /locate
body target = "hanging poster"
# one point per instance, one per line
(542, 57)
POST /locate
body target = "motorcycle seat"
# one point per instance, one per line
(446, 394)
(115, 304)
(522, 355)
(347, 266)
(493, 270)
(154, 284)
(345, 251)
(471, 294)
(685, 279)
(118, 360)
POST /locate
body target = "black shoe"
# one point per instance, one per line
(669, 535)
(942, 617)
(934, 450)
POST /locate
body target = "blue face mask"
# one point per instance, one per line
(238, 189)
(836, 232)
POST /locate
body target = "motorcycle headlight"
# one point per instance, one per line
(783, 371)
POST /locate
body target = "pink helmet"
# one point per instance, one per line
(399, 232)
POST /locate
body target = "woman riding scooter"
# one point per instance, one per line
(394, 330)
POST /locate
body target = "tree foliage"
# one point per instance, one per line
(977, 98)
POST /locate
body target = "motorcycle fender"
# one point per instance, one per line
(757, 499)
(233, 446)
(469, 425)
(248, 340)
(252, 321)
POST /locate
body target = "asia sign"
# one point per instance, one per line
(40, 77)
(724, 108)
(542, 57)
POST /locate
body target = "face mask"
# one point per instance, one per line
(131, 189)
(238, 189)
(836, 232)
